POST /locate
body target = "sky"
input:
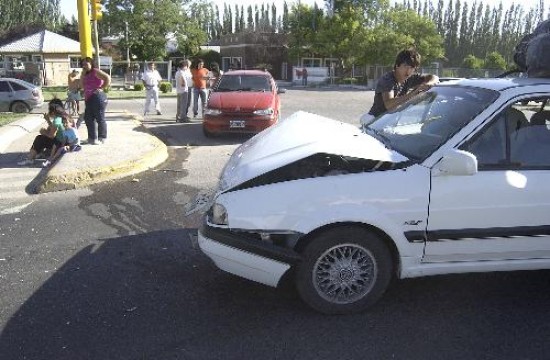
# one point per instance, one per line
(68, 7)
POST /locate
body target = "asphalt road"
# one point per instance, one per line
(109, 273)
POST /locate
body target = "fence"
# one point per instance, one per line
(368, 75)
(126, 75)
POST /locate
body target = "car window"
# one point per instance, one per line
(243, 83)
(255, 83)
(489, 146)
(420, 126)
(4, 86)
(518, 138)
(17, 87)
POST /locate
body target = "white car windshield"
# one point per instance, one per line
(420, 126)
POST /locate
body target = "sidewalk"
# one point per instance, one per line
(129, 149)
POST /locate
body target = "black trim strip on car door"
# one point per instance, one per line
(488, 233)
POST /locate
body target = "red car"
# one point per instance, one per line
(243, 101)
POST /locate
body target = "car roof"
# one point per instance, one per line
(499, 84)
(247, 72)
(19, 81)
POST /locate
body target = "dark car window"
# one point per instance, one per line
(256, 83)
(244, 83)
(17, 87)
(4, 87)
(515, 139)
(490, 145)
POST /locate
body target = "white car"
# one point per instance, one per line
(19, 96)
(456, 180)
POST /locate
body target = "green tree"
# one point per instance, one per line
(42, 13)
(151, 23)
(495, 61)
(472, 62)
(400, 29)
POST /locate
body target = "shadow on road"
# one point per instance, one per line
(174, 134)
(153, 296)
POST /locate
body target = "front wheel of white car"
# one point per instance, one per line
(344, 270)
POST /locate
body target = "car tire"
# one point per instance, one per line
(19, 107)
(344, 270)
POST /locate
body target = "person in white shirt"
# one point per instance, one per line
(182, 90)
(151, 79)
(189, 76)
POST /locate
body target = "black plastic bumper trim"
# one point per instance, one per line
(243, 241)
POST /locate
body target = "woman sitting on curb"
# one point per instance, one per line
(49, 136)
(71, 142)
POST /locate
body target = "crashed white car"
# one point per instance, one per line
(456, 180)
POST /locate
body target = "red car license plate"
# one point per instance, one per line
(237, 123)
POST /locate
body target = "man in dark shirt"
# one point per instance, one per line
(394, 87)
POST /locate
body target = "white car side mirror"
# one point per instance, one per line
(456, 162)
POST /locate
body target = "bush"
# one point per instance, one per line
(348, 80)
(139, 87)
(165, 87)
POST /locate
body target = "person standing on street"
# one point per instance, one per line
(73, 82)
(94, 81)
(214, 75)
(151, 80)
(189, 77)
(402, 83)
(182, 90)
(200, 79)
(304, 77)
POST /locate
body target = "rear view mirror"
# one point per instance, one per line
(456, 162)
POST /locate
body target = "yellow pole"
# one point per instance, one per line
(84, 30)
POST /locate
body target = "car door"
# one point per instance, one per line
(503, 211)
(5, 95)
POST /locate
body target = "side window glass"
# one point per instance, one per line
(530, 145)
(490, 145)
(17, 87)
(4, 87)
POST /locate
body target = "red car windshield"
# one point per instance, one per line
(243, 83)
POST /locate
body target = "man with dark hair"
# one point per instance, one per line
(394, 87)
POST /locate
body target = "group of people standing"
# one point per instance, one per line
(61, 134)
(193, 80)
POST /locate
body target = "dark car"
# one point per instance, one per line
(243, 101)
(19, 96)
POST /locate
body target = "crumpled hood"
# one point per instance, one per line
(243, 100)
(301, 135)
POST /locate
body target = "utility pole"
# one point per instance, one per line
(127, 45)
(84, 31)
(97, 14)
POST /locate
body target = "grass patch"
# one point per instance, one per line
(6, 118)
(51, 93)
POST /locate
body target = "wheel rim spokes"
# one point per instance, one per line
(345, 273)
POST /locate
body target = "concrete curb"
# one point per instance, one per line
(60, 178)
(17, 129)
(54, 181)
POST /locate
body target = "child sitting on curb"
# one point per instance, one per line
(71, 142)
(50, 136)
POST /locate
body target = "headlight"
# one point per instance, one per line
(212, 111)
(264, 112)
(219, 214)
